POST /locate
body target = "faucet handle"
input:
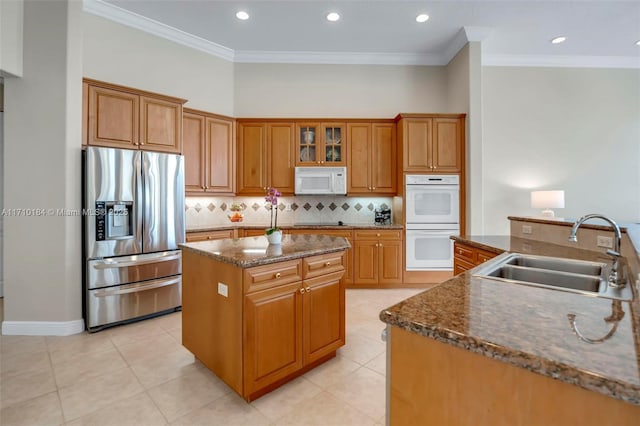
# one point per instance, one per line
(613, 253)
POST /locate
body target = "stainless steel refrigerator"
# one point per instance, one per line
(133, 221)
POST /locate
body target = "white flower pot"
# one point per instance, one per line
(275, 237)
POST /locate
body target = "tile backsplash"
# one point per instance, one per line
(211, 211)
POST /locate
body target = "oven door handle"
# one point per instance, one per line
(142, 287)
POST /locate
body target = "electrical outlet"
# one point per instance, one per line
(223, 290)
(603, 241)
(526, 229)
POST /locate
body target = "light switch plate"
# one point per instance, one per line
(223, 290)
(603, 241)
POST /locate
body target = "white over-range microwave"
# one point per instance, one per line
(321, 180)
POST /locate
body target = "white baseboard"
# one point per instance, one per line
(42, 328)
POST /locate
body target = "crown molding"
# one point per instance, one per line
(560, 61)
(462, 37)
(130, 19)
(348, 58)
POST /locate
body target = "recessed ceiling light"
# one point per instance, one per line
(242, 15)
(423, 17)
(638, 42)
(332, 16)
(558, 40)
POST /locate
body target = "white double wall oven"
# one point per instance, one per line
(432, 204)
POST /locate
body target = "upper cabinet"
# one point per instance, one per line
(431, 143)
(209, 153)
(265, 157)
(121, 117)
(372, 158)
(320, 144)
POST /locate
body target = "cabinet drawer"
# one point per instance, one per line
(192, 237)
(460, 266)
(395, 234)
(323, 264)
(464, 252)
(267, 276)
(483, 256)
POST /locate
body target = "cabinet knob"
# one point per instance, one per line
(278, 274)
(308, 289)
(302, 290)
(327, 264)
(210, 237)
(378, 234)
(380, 245)
(374, 188)
(203, 187)
(369, 188)
(321, 161)
(141, 143)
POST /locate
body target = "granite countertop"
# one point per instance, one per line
(528, 327)
(243, 225)
(255, 251)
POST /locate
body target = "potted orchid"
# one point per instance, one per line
(274, 234)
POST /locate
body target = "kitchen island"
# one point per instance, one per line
(258, 315)
(479, 351)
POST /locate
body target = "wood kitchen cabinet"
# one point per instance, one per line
(377, 257)
(431, 143)
(209, 153)
(348, 260)
(192, 237)
(122, 117)
(372, 158)
(467, 257)
(265, 157)
(320, 144)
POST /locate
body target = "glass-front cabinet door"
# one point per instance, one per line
(320, 144)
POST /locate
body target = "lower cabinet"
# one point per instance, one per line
(377, 257)
(348, 234)
(466, 257)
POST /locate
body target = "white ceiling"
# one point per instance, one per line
(599, 33)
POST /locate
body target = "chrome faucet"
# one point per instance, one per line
(615, 279)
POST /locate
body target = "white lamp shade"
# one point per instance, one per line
(547, 199)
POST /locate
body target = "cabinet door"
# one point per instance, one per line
(334, 144)
(193, 126)
(160, 125)
(323, 316)
(308, 145)
(252, 162)
(113, 118)
(272, 335)
(383, 158)
(220, 156)
(365, 269)
(85, 113)
(390, 262)
(416, 145)
(359, 163)
(281, 163)
(447, 139)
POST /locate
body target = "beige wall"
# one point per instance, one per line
(42, 256)
(122, 55)
(560, 128)
(301, 90)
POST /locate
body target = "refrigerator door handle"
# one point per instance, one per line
(124, 264)
(141, 287)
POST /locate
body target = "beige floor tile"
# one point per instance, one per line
(281, 401)
(378, 364)
(147, 348)
(91, 365)
(229, 409)
(176, 333)
(26, 386)
(169, 321)
(14, 345)
(370, 329)
(331, 371)
(41, 411)
(69, 348)
(131, 333)
(92, 394)
(361, 349)
(164, 367)
(178, 397)
(325, 410)
(364, 389)
(138, 410)
(13, 365)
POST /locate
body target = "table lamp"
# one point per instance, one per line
(547, 200)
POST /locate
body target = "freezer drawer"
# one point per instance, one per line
(121, 303)
(130, 269)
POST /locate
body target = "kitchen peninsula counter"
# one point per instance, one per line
(258, 315)
(514, 329)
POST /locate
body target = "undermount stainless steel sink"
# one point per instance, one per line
(556, 273)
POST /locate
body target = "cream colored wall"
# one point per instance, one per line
(11, 28)
(42, 254)
(301, 90)
(119, 54)
(560, 128)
